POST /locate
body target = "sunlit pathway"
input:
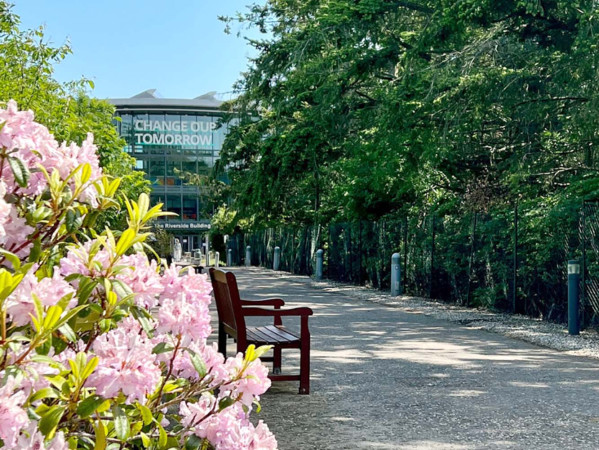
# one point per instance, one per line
(383, 378)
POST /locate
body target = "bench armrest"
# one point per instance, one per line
(276, 302)
(303, 311)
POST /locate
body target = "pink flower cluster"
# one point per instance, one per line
(16, 429)
(13, 417)
(79, 261)
(184, 304)
(33, 144)
(31, 438)
(250, 383)
(209, 354)
(228, 430)
(49, 290)
(13, 229)
(126, 364)
(143, 278)
(178, 303)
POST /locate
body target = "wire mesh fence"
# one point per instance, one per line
(511, 260)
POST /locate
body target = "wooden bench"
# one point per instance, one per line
(232, 311)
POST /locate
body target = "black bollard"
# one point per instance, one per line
(573, 297)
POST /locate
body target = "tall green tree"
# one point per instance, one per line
(353, 109)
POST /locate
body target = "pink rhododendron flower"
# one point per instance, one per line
(5, 210)
(78, 261)
(13, 418)
(20, 304)
(35, 146)
(254, 379)
(184, 317)
(143, 278)
(184, 305)
(126, 364)
(22, 134)
(230, 429)
(263, 438)
(213, 360)
(190, 284)
(31, 438)
(16, 234)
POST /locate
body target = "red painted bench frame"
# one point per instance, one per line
(232, 311)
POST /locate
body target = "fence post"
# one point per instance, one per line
(277, 259)
(319, 258)
(573, 301)
(216, 259)
(395, 275)
(229, 257)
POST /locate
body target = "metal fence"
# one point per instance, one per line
(511, 260)
(589, 228)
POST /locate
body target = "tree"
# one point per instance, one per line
(369, 109)
(26, 70)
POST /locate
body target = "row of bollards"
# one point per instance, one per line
(396, 287)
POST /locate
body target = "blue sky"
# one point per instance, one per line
(177, 46)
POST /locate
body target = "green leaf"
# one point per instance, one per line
(261, 351)
(86, 287)
(146, 414)
(141, 315)
(145, 440)
(86, 172)
(46, 392)
(163, 437)
(225, 403)
(121, 423)
(193, 442)
(125, 241)
(49, 421)
(44, 348)
(19, 170)
(73, 221)
(198, 364)
(249, 353)
(162, 347)
(87, 406)
(14, 259)
(68, 332)
(100, 430)
(89, 367)
(52, 317)
(36, 251)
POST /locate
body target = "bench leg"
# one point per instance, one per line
(305, 367)
(276, 362)
(222, 340)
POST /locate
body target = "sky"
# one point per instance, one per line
(178, 47)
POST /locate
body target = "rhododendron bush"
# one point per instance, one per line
(99, 348)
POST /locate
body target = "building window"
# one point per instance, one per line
(173, 203)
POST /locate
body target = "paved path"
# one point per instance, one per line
(385, 378)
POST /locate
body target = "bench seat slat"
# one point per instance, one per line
(280, 332)
(271, 334)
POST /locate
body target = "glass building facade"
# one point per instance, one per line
(168, 137)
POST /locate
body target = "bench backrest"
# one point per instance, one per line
(228, 302)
